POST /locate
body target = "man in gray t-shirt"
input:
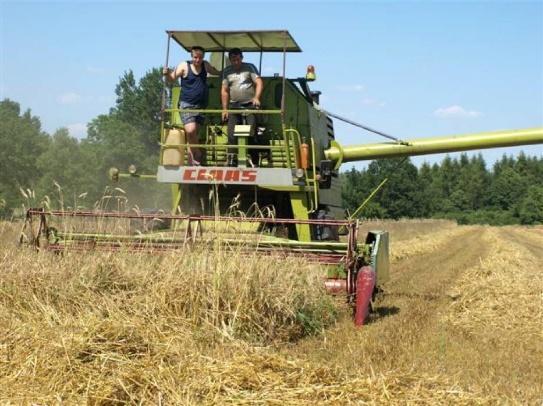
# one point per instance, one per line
(241, 89)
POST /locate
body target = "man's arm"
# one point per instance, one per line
(225, 98)
(172, 75)
(259, 86)
(211, 69)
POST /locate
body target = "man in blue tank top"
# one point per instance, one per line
(194, 92)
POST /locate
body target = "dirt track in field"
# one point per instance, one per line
(527, 238)
(410, 331)
(414, 294)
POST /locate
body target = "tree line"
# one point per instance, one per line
(463, 189)
(65, 171)
(73, 173)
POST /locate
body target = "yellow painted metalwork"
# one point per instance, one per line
(314, 180)
(423, 146)
(359, 209)
(299, 203)
(296, 145)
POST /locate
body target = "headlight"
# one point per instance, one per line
(113, 174)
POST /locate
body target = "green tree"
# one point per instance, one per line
(471, 187)
(116, 143)
(21, 143)
(357, 186)
(504, 163)
(530, 209)
(64, 163)
(400, 196)
(506, 189)
(139, 105)
(445, 180)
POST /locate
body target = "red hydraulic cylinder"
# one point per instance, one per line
(365, 283)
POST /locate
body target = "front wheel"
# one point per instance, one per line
(365, 284)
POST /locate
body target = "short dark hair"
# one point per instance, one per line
(197, 48)
(235, 51)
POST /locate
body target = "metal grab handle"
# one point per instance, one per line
(220, 111)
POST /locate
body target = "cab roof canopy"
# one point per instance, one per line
(247, 41)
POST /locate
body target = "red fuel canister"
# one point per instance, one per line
(304, 155)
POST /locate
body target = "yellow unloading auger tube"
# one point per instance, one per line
(435, 145)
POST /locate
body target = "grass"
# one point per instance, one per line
(407, 229)
(467, 309)
(460, 323)
(93, 316)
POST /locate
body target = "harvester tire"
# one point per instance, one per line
(365, 284)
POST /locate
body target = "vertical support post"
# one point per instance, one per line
(242, 152)
(164, 78)
(284, 78)
(299, 203)
(176, 198)
(242, 132)
(283, 88)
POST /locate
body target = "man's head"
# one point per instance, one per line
(197, 54)
(236, 57)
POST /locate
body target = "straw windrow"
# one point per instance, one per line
(194, 328)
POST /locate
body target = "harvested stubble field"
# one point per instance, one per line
(461, 322)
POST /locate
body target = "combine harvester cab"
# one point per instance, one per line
(282, 195)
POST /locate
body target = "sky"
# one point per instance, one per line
(409, 69)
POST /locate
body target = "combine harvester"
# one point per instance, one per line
(295, 179)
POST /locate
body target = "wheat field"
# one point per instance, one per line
(460, 321)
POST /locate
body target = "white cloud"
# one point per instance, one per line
(456, 112)
(69, 98)
(95, 70)
(351, 88)
(77, 130)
